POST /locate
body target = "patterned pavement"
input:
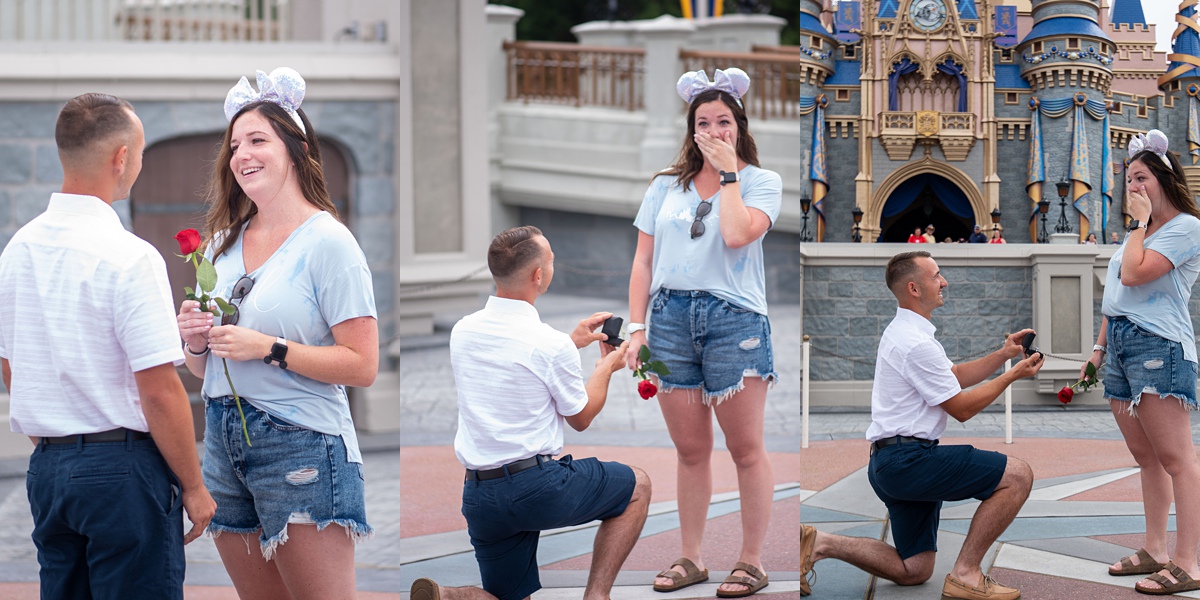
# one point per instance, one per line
(1084, 513)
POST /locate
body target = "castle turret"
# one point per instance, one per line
(817, 47)
(1129, 13)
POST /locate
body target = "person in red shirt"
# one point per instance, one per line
(916, 237)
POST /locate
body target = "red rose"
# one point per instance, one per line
(646, 390)
(1066, 394)
(189, 241)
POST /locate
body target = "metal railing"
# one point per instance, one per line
(575, 75)
(144, 20)
(775, 79)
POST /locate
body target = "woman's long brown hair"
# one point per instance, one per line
(228, 206)
(690, 160)
(1170, 180)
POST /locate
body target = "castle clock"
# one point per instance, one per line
(927, 15)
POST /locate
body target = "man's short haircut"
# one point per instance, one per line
(91, 118)
(512, 250)
(902, 267)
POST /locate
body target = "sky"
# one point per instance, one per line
(1162, 14)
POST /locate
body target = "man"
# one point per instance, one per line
(518, 379)
(1113, 238)
(89, 346)
(977, 236)
(929, 239)
(916, 386)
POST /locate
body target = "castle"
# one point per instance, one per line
(963, 112)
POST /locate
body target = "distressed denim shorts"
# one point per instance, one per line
(289, 475)
(708, 343)
(1140, 362)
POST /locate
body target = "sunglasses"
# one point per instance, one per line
(240, 290)
(702, 211)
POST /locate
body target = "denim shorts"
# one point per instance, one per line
(708, 343)
(289, 475)
(505, 515)
(1139, 360)
(913, 479)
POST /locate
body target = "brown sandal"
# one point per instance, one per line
(1183, 582)
(808, 539)
(691, 576)
(1146, 565)
(756, 581)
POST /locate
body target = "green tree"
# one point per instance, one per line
(551, 21)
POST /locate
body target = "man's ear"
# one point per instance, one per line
(536, 276)
(119, 159)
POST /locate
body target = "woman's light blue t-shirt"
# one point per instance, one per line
(1161, 306)
(706, 263)
(315, 280)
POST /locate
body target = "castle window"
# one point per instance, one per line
(1006, 55)
(816, 42)
(850, 51)
(843, 95)
(1011, 98)
(1072, 43)
(1142, 113)
(1037, 48)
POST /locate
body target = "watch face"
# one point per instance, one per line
(927, 15)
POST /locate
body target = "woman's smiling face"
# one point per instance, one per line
(258, 157)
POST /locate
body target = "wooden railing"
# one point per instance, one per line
(774, 79)
(144, 20)
(761, 48)
(575, 75)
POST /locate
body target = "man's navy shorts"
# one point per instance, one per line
(914, 478)
(506, 515)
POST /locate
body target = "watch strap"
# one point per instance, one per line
(278, 353)
(188, 350)
(633, 328)
(1103, 349)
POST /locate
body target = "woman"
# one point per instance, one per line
(916, 237)
(1091, 239)
(305, 327)
(998, 235)
(699, 251)
(1150, 369)
(929, 239)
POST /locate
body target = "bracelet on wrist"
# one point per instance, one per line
(188, 350)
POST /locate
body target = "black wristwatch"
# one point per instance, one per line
(728, 177)
(278, 353)
(1136, 224)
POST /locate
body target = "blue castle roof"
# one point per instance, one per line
(967, 10)
(1128, 12)
(1188, 43)
(811, 23)
(1008, 77)
(887, 9)
(1060, 26)
(845, 72)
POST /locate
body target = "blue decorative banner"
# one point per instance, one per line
(849, 16)
(1006, 26)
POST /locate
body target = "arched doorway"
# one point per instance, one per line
(169, 196)
(927, 199)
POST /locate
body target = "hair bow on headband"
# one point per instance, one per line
(284, 86)
(732, 81)
(1153, 141)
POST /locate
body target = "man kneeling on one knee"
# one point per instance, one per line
(915, 387)
(518, 380)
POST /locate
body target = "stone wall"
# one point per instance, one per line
(847, 308)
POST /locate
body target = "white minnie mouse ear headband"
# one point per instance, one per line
(732, 81)
(284, 87)
(1153, 141)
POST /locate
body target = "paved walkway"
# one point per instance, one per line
(630, 430)
(1085, 511)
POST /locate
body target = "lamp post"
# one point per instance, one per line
(805, 204)
(1063, 226)
(1043, 208)
(995, 221)
(858, 214)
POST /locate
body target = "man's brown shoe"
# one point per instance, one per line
(988, 590)
(424, 589)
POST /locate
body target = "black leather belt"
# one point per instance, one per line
(512, 467)
(892, 441)
(112, 435)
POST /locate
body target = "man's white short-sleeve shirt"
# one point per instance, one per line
(83, 305)
(913, 378)
(517, 378)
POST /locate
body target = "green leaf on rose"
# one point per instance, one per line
(1090, 370)
(644, 353)
(206, 275)
(660, 368)
(225, 307)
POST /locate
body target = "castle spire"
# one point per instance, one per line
(1128, 12)
(1185, 48)
(967, 10)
